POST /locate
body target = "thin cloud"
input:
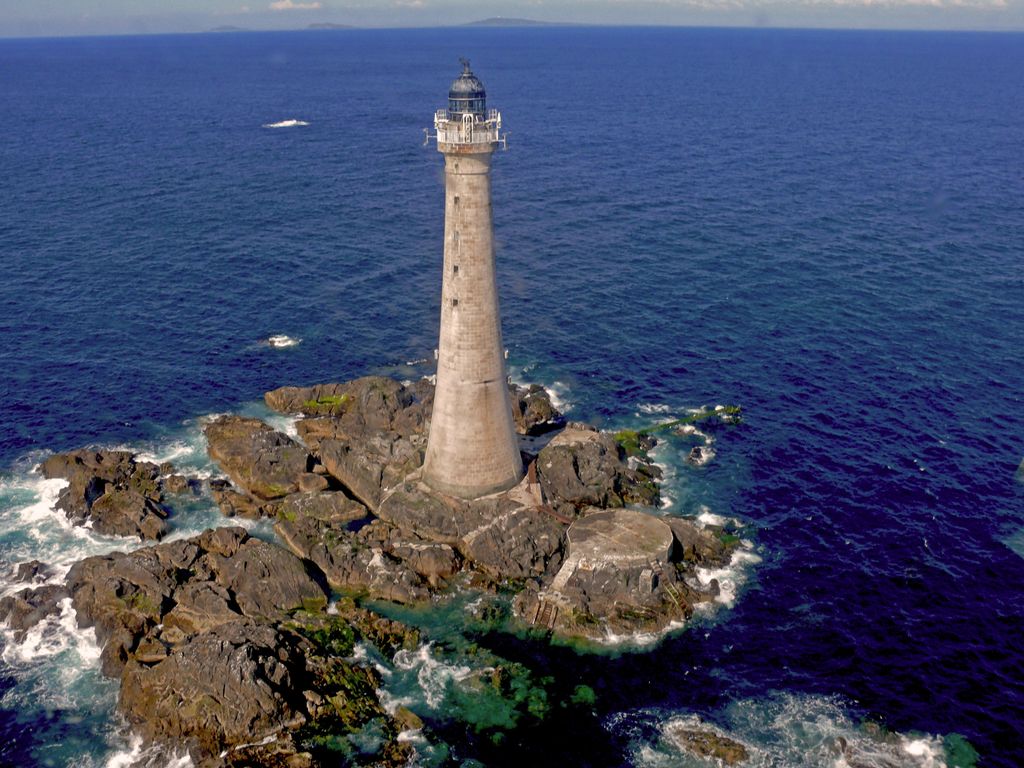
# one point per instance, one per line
(290, 5)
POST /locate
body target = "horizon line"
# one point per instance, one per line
(531, 24)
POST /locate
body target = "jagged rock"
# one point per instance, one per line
(27, 607)
(582, 467)
(370, 403)
(368, 466)
(412, 506)
(333, 506)
(376, 403)
(386, 634)
(407, 720)
(179, 485)
(313, 483)
(518, 544)
(126, 595)
(263, 462)
(235, 504)
(433, 562)
(695, 545)
(236, 683)
(31, 572)
(533, 411)
(110, 489)
(354, 560)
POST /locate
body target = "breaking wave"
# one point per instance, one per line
(292, 123)
(797, 731)
(280, 341)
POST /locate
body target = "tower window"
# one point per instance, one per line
(455, 269)
(455, 302)
(455, 200)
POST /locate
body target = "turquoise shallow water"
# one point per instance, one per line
(824, 227)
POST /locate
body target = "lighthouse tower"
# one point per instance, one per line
(472, 449)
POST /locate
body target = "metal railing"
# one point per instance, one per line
(467, 129)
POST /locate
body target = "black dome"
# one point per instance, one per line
(467, 94)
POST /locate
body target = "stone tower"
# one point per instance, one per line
(472, 448)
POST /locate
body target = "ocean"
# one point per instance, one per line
(823, 227)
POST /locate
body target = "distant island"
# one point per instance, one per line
(329, 25)
(228, 28)
(502, 21)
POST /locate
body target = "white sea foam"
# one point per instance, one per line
(32, 528)
(51, 636)
(281, 341)
(432, 675)
(292, 123)
(651, 409)
(637, 640)
(136, 755)
(177, 449)
(732, 576)
(284, 423)
(707, 517)
(558, 391)
(782, 730)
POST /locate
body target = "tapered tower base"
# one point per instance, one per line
(472, 449)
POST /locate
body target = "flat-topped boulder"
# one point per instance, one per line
(620, 538)
(619, 577)
(265, 463)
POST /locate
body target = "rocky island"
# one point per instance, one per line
(252, 652)
(241, 650)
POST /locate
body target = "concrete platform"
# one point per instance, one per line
(620, 538)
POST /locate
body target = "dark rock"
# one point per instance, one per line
(27, 607)
(179, 485)
(126, 512)
(618, 577)
(197, 583)
(435, 563)
(263, 462)
(237, 683)
(582, 467)
(110, 489)
(333, 506)
(407, 720)
(312, 483)
(532, 410)
(31, 572)
(370, 403)
(354, 560)
(693, 544)
(524, 542)
(235, 504)
(414, 507)
(706, 743)
(368, 466)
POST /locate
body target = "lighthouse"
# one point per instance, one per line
(472, 449)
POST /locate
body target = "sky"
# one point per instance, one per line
(86, 17)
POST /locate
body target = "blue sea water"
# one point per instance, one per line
(826, 228)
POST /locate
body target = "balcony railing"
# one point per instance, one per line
(467, 129)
